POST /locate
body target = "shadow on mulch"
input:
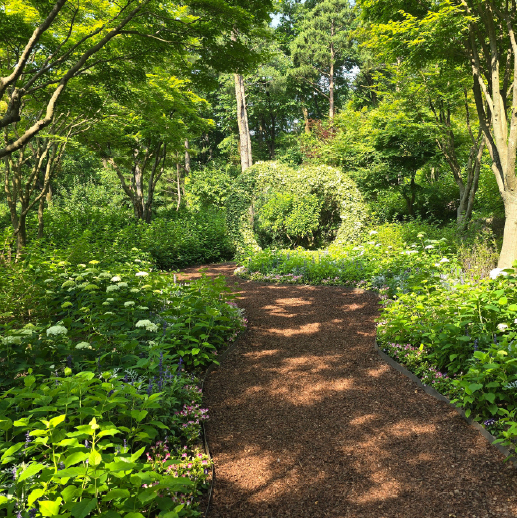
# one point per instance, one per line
(307, 421)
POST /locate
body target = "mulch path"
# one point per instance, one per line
(307, 421)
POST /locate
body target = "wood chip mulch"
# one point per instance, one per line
(307, 421)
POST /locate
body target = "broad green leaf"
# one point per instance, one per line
(75, 458)
(502, 301)
(134, 515)
(84, 507)
(138, 414)
(95, 458)
(37, 493)
(116, 493)
(31, 470)
(490, 396)
(475, 386)
(69, 493)
(49, 507)
(55, 421)
(13, 449)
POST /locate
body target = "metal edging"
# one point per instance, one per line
(434, 393)
(213, 366)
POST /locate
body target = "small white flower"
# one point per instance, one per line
(112, 288)
(116, 279)
(390, 246)
(141, 274)
(109, 313)
(57, 330)
(138, 261)
(429, 247)
(496, 272)
(372, 232)
(420, 236)
(106, 303)
(134, 290)
(122, 284)
(515, 321)
(356, 248)
(110, 300)
(150, 326)
(129, 303)
(377, 245)
(444, 260)
(502, 327)
(142, 307)
(82, 265)
(371, 242)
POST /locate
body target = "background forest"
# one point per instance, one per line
(367, 144)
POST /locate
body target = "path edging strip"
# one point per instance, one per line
(434, 393)
(211, 367)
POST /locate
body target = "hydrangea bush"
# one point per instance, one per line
(100, 384)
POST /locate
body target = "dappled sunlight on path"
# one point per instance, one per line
(307, 421)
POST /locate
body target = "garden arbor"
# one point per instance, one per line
(267, 193)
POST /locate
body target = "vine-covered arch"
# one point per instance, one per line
(334, 186)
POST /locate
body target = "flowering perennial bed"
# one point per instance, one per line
(101, 409)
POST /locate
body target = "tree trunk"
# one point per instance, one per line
(306, 120)
(41, 207)
(509, 250)
(242, 120)
(178, 185)
(187, 158)
(21, 236)
(332, 110)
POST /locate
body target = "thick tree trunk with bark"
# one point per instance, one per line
(242, 120)
(306, 122)
(494, 71)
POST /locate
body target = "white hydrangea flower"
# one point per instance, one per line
(57, 330)
(112, 288)
(129, 303)
(82, 265)
(109, 313)
(104, 275)
(142, 307)
(372, 232)
(14, 340)
(83, 345)
(134, 290)
(122, 284)
(497, 272)
(116, 279)
(429, 247)
(138, 261)
(141, 274)
(106, 303)
(502, 327)
(110, 300)
(444, 260)
(421, 235)
(149, 326)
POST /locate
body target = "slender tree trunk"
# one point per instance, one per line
(242, 120)
(41, 207)
(178, 185)
(21, 236)
(509, 249)
(187, 157)
(306, 120)
(332, 110)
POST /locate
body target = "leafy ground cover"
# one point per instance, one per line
(453, 328)
(101, 408)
